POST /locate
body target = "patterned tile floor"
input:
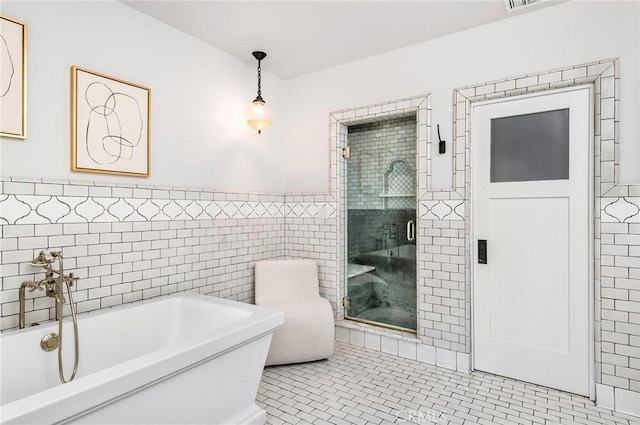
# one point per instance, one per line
(361, 386)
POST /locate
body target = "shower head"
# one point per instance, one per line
(41, 260)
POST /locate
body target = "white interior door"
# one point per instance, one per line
(531, 203)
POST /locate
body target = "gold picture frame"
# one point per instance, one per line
(13, 78)
(110, 124)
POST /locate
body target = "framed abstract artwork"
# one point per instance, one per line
(13, 78)
(110, 121)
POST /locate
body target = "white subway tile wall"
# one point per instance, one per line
(132, 243)
(442, 302)
(315, 238)
(619, 300)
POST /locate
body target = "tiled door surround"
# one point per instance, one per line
(339, 121)
(448, 231)
(617, 229)
(444, 278)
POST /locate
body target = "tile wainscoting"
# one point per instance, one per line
(128, 243)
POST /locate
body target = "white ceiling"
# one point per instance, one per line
(300, 37)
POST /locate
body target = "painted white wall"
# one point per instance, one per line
(564, 35)
(199, 137)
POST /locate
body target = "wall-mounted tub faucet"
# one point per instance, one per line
(390, 234)
(32, 286)
(53, 284)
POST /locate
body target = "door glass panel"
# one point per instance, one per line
(381, 201)
(530, 147)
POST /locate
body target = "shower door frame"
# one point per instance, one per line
(418, 106)
(386, 167)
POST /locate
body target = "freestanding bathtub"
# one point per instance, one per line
(181, 359)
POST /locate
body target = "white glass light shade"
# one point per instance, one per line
(259, 116)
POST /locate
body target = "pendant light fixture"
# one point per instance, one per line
(259, 114)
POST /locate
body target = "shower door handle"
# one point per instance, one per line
(411, 230)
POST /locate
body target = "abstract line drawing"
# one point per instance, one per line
(8, 70)
(109, 138)
(13, 86)
(110, 124)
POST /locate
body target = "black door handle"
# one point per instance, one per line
(482, 251)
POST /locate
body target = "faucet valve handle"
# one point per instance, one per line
(33, 285)
(71, 279)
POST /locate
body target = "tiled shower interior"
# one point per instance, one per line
(381, 201)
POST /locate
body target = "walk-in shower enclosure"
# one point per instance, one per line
(381, 223)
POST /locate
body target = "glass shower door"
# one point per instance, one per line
(381, 224)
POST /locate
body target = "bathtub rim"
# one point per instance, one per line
(383, 253)
(110, 384)
(124, 306)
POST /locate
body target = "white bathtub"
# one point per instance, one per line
(407, 251)
(173, 360)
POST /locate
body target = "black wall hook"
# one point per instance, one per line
(442, 145)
